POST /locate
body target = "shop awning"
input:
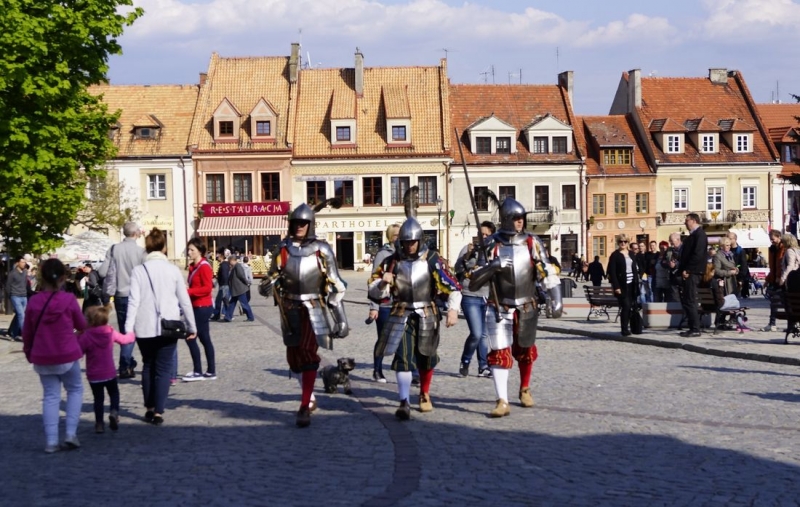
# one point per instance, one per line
(265, 225)
(752, 238)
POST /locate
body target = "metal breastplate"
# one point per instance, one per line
(516, 283)
(302, 278)
(413, 283)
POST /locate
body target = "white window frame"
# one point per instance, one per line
(156, 186)
(673, 143)
(715, 198)
(707, 144)
(749, 197)
(680, 195)
(743, 143)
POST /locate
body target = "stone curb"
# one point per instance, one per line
(689, 347)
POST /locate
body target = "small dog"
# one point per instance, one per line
(333, 376)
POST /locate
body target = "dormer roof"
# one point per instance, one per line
(226, 108)
(735, 125)
(547, 122)
(147, 121)
(343, 105)
(701, 125)
(597, 133)
(666, 125)
(395, 101)
(491, 122)
(263, 108)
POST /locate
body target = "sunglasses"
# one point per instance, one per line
(622, 241)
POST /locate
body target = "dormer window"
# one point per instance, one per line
(263, 128)
(394, 100)
(262, 121)
(743, 143)
(540, 144)
(503, 145)
(560, 144)
(342, 134)
(547, 134)
(738, 134)
(145, 133)
(483, 145)
(226, 129)
(708, 143)
(617, 156)
(398, 133)
(491, 135)
(227, 121)
(146, 127)
(673, 143)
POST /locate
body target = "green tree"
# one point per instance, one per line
(109, 205)
(53, 132)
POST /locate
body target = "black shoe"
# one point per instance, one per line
(158, 420)
(303, 417)
(626, 333)
(126, 373)
(403, 412)
(149, 416)
(215, 318)
(463, 370)
(691, 334)
(131, 373)
(415, 381)
(113, 421)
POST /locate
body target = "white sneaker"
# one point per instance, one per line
(770, 328)
(192, 377)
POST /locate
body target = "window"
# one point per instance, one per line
(599, 245)
(503, 145)
(226, 129)
(156, 186)
(680, 199)
(619, 156)
(749, 197)
(242, 188)
(481, 199)
(790, 152)
(145, 133)
(707, 144)
(540, 145)
(315, 192)
(342, 134)
(621, 204)
(506, 191)
(373, 191)
(399, 186)
(398, 133)
(97, 187)
(270, 186)
(559, 144)
(673, 144)
(742, 143)
(642, 202)
(568, 200)
(599, 204)
(714, 198)
(344, 191)
(484, 145)
(263, 128)
(427, 190)
(215, 188)
(541, 197)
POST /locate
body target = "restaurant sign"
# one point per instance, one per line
(246, 209)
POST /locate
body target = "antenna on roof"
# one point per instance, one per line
(515, 74)
(446, 52)
(652, 73)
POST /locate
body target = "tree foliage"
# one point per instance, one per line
(109, 205)
(53, 133)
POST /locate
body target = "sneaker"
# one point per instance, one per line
(193, 377)
(463, 370)
(209, 376)
(378, 377)
(501, 409)
(72, 443)
(403, 412)
(425, 404)
(99, 427)
(50, 449)
(769, 328)
(173, 381)
(525, 398)
(113, 420)
(303, 417)
(485, 373)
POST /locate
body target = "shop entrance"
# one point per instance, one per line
(345, 256)
(569, 245)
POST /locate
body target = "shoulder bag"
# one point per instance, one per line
(175, 329)
(637, 323)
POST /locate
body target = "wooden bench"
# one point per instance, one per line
(788, 304)
(708, 306)
(600, 300)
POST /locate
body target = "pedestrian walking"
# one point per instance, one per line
(740, 259)
(379, 311)
(17, 289)
(223, 298)
(92, 290)
(692, 266)
(775, 255)
(238, 286)
(50, 344)
(623, 273)
(596, 271)
(157, 294)
(97, 343)
(200, 282)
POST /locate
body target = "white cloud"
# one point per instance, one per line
(637, 28)
(736, 19)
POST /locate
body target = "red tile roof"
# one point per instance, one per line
(783, 123)
(613, 131)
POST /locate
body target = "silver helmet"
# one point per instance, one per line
(509, 210)
(411, 230)
(304, 212)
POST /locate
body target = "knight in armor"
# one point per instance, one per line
(516, 260)
(413, 277)
(308, 291)
(379, 312)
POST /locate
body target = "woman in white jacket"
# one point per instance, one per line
(791, 259)
(157, 292)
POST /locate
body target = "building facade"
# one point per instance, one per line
(781, 121)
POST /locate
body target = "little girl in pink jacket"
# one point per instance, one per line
(97, 342)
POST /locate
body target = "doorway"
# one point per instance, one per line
(345, 254)
(569, 245)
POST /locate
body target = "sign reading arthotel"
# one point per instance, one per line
(246, 209)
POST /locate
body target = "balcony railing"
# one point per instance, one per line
(729, 217)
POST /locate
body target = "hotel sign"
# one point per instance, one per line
(246, 209)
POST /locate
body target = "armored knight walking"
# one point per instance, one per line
(414, 277)
(515, 261)
(309, 293)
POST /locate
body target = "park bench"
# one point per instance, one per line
(788, 305)
(600, 300)
(708, 306)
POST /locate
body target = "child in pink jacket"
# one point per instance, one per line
(97, 342)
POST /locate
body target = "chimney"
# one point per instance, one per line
(294, 61)
(718, 76)
(203, 78)
(359, 73)
(565, 81)
(634, 89)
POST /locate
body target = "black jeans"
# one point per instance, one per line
(156, 370)
(201, 319)
(625, 303)
(99, 397)
(689, 302)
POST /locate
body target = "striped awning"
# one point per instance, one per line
(265, 225)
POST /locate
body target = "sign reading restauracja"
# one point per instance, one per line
(246, 209)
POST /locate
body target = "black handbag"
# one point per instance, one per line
(174, 329)
(637, 323)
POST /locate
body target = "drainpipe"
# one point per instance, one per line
(185, 211)
(584, 217)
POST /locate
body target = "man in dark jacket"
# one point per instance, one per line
(238, 284)
(596, 271)
(740, 259)
(692, 265)
(223, 289)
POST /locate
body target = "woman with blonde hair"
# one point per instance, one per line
(623, 274)
(791, 259)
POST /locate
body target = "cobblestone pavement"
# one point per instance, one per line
(614, 424)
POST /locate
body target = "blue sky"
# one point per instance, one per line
(173, 41)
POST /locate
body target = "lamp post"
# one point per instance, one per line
(439, 203)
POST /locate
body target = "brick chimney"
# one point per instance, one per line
(565, 81)
(359, 73)
(718, 76)
(203, 78)
(634, 89)
(294, 61)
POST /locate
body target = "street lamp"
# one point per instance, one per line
(439, 203)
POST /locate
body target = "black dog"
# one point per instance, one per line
(332, 376)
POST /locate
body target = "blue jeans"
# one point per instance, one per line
(157, 364)
(126, 360)
(51, 401)
(474, 309)
(19, 303)
(201, 317)
(220, 308)
(242, 300)
(383, 316)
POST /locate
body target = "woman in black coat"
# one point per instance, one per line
(623, 274)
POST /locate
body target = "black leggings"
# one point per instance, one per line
(99, 397)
